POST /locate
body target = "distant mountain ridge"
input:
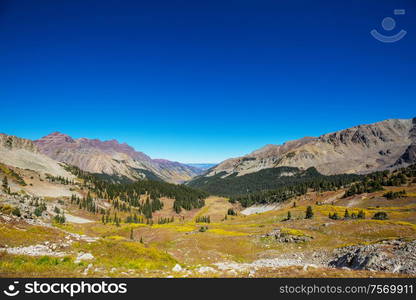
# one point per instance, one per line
(360, 149)
(202, 166)
(111, 158)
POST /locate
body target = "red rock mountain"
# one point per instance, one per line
(111, 158)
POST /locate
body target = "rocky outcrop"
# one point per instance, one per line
(408, 157)
(111, 158)
(360, 149)
(23, 153)
(11, 143)
(285, 236)
(394, 256)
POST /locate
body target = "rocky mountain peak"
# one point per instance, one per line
(110, 157)
(359, 149)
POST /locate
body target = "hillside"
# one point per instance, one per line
(112, 158)
(58, 219)
(375, 230)
(24, 154)
(266, 179)
(358, 150)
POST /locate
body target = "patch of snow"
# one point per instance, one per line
(77, 220)
(257, 209)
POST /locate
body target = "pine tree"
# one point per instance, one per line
(346, 214)
(309, 212)
(289, 215)
(333, 216)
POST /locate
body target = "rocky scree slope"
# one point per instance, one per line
(360, 149)
(111, 158)
(23, 153)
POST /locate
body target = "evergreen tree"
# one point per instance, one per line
(309, 213)
(334, 216)
(346, 214)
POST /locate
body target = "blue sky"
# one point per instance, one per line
(202, 81)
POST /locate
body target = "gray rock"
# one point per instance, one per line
(393, 256)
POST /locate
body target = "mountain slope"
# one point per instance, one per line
(360, 149)
(267, 179)
(23, 154)
(111, 158)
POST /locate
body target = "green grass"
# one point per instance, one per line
(28, 235)
(45, 266)
(119, 253)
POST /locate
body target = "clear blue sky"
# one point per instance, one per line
(202, 81)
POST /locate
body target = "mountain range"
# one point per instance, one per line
(361, 149)
(101, 157)
(112, 158)
(202, 166)
(357, 150)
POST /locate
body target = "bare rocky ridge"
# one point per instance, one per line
(360, 149)
(111, 158)
(23, 153)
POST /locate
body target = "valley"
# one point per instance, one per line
(60, 219)
(263, 244)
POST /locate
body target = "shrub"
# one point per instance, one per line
(59, 219)
(203, 219)
(6, 209)
(38, 211)
(381, 215)
(16, 212)
(393, 195)
(203, 228)
(361, 215)
(334, 216)
(231, 212)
